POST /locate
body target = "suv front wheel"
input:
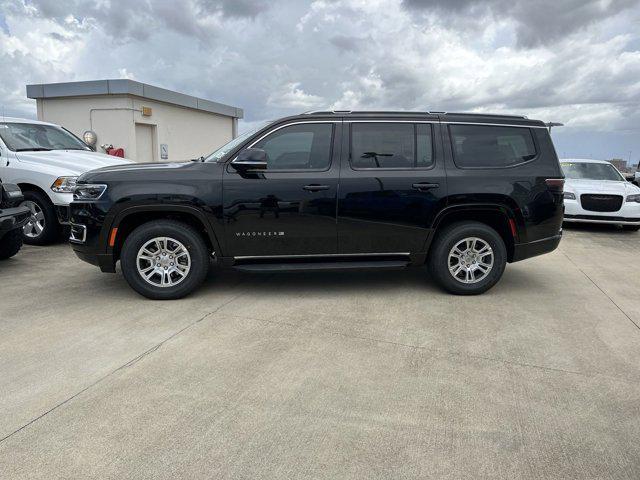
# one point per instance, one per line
(164, 259)
(467, 258)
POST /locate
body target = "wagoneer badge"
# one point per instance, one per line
(259, 234)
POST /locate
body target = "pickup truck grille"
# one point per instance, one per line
(601, 203)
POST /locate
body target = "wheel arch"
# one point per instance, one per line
(27, 186)
(500, 217)
(128, 219)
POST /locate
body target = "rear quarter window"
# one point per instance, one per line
(486, 146)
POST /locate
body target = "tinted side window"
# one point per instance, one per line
(491, 146)
(391, 145)
(298, 147)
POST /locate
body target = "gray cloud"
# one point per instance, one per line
(126, 19)
(539, 22)
(348, 43)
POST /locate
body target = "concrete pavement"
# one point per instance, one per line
(325, 375)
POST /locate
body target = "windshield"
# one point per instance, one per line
(590, 171)
(22, 137)
(227, 147)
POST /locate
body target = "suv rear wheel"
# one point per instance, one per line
(164, 259)
(467, 258)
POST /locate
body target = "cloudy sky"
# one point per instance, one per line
(570, 61)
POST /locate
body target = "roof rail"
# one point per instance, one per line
(481, 114)
(407, 112)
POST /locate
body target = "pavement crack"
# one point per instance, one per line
(435, 353)
(600, 288)
(128, 364)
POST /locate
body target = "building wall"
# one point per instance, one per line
(188, 133)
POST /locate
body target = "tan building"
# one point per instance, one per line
(150, 123)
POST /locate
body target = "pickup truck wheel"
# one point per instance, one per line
(43, 227)
(467, 258)
(164, 259)
(10, 244)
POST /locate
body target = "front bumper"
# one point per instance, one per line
(13, 218)
(601, 219)
(522, 251)
(63, 212)
(629, 214)
(103, 260)
(87, 238)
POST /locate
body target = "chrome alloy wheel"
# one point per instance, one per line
(470, 260)
(35, 226)
(163, 262)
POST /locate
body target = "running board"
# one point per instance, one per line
(307, 266)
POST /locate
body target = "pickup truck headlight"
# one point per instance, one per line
(634, 198)
(88, 191)
(569, 196)
(64, 184)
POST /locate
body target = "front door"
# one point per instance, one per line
(289, 208)
(392, 184)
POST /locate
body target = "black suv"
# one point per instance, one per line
(462, 193)
(13, 218)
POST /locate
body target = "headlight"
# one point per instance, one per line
(634, 198)
(88, 191)
(569, 196)
(64, 184)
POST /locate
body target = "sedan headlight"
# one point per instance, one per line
(64, 184)
(634, 198)
(569, 196)
(88, 191)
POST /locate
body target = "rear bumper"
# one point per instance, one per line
(522, 251)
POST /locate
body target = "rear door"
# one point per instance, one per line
(392, 184)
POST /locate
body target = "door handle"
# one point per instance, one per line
(315, 188)
(423, 187)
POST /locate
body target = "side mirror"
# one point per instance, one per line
(250, 159)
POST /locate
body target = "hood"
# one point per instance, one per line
(71, 162)
(136, 167)
(149, 172)
(600, 186)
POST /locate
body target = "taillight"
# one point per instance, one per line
(556, 185)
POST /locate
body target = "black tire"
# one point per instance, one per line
(183, 233)
(631, 228)
(10, 244)
(51, 231)
(450, 236)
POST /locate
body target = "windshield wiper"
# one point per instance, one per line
(72, 148)
(33, 149)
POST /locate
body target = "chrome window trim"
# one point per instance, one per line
(288, 125)
(515, 165)
(397, 169)
(291, 170)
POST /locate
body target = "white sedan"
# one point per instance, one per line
(596, 192)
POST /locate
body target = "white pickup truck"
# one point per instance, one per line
(44, 159)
